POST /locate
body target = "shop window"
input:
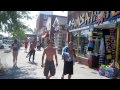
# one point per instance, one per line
(75, 40)
(81, 46)
(83, 43)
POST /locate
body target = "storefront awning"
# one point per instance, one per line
(45, 35)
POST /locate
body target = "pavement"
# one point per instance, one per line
(30, 70)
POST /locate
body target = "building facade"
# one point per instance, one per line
(45, 30)
(60, 33)
(41, 28)
(95, 35)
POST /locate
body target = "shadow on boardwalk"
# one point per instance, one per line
(15, 73)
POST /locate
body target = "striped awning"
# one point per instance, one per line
(45, 35)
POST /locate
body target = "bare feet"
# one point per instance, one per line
(62, 77)
(49, 76)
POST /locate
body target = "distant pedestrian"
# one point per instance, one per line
(35, 42)
(26, 44)
(15, 49)
(68, 56)
(50, 51)
(38, 45)
(32, 50)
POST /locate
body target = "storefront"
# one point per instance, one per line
(44, 39)
(95, 35)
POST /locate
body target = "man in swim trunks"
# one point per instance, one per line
(68, 56)
(50, 52)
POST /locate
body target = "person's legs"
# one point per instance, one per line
(13, 58)
(62, 76)
(65, 69)
(30, 53)
(47, 77)
(16, 58)
(25, 48)
(70, 69)
(40, 47)
(37, 47)
(46, 70)
(52, 69)
(33, 55)
(69, 76)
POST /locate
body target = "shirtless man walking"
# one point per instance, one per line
(50, 51)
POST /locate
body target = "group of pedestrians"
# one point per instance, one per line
(33, 45)
(16, 47)
(68, 54)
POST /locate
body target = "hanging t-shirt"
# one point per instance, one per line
(90, 45)
(96, 46)
(102, 47)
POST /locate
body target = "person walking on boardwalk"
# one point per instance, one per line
(26, 44)
(32, 50)
(15, 49)
(50, 52)
(68, 55)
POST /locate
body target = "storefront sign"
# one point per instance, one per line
(110, 44)
(117, 59)
(93, 17)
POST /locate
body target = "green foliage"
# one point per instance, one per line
(10, 21)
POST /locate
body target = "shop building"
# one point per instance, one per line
(60, 33)
(95, 35)
(41, 29)
(45, 30)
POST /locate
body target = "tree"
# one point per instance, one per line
(19, 35)
(10, 21)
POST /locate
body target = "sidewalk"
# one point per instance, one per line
(27, 70)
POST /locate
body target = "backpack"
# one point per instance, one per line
(15, 47)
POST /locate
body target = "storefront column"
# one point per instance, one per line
(117, 46)
(78, 43)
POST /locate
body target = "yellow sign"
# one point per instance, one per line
(117, 46)
(117, 65)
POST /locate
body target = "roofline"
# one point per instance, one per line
(53, 15)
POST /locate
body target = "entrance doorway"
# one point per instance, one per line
(107, 43)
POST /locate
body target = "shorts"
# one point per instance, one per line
(49, 66)
(15, 54)
(68, 68)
